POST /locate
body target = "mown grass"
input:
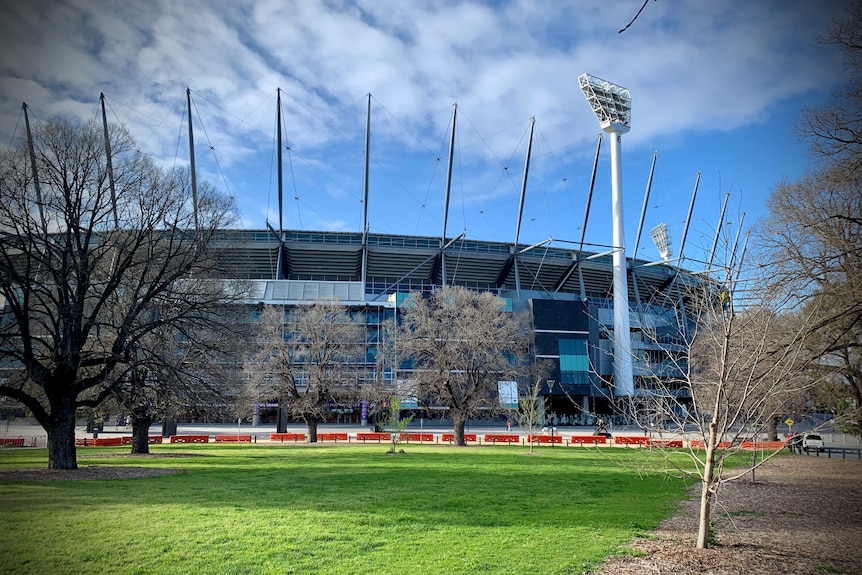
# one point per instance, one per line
(332, 510)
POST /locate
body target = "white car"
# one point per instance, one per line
(812, 442)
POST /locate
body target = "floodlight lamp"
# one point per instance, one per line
(661, 238)
(611, 104)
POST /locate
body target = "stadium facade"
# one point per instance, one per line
(568, 292)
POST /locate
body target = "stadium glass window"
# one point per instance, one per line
(574, 361)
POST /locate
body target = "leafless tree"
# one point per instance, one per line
(307, 360)
(812, 236)
(531, 412)
(168, 372)
(87, 272)
(461, 344)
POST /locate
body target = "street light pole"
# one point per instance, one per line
(612, 105)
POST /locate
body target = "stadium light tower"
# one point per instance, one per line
(612, 106)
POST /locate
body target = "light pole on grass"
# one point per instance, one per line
(612, 105)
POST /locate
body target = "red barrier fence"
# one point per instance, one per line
(373, 436)
(233, 438)
(332, 437)
(631, 440)
(418, 437)
(294, 437)
(450, 437)
(494, 438)
(190, 438)
(545, 439)
(582, 440)
(12, 442)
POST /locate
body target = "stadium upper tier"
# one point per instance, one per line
(388, 264)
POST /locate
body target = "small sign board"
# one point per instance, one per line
(789, 422)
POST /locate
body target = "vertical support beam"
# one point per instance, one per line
(280, 265)
(110, 165)
(192, 157)
(364, 264)
(645, 204)
(718, 229)
(31, 149)
(448, 191)
(590, 193)
(521, 207)
(623, 379)
(688, 218)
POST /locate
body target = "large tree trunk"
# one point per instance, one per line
(311, 425)
(458, 424)
(141, 424)
(61, 436)
(772, 429)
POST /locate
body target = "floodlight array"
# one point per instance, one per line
(611, 104)
(661, 238)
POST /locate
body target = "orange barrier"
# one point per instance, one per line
(665, 443)
(631, 440)
(700, 444)
(582, 440)
(332, 437)
(294, 437)
(13, 442)
(99, 442)
(763, 445)
(545, 439)
(233, 438)
(420, 437)
(450, 437)
(190, 438)
(127, 439)
(373, 436)
(495, 438)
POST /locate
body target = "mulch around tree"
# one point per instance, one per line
(801, 516)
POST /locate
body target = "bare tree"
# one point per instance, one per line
(813, 235)
(461, 344)
(168, 372)
(307, 360)
(531, 411)
(88, 269)
(746, 367)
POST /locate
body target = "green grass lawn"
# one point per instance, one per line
(332, 509)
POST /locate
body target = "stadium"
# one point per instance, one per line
(568, 292)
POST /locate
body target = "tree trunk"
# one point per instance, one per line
(458, 424)
(706, 486)
(61, 436)
(141, 433)
(311, 426)
(772, 429)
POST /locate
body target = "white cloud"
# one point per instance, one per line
(692, 67)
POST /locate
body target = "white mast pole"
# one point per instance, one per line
(612, 105)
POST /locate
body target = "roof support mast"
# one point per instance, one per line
(448, 190)
(192, 157)
(279, 271)
(521, 207)
(612, 106)
(364, 270)
(36, 185)
(718, 229)
(110, 165)
(688, 218)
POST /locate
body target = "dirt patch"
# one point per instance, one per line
(802, 515)
(94, 472)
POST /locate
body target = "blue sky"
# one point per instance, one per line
(716, 87)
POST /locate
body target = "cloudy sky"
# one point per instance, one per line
(716, 87)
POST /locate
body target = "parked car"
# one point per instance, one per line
(812, 442)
